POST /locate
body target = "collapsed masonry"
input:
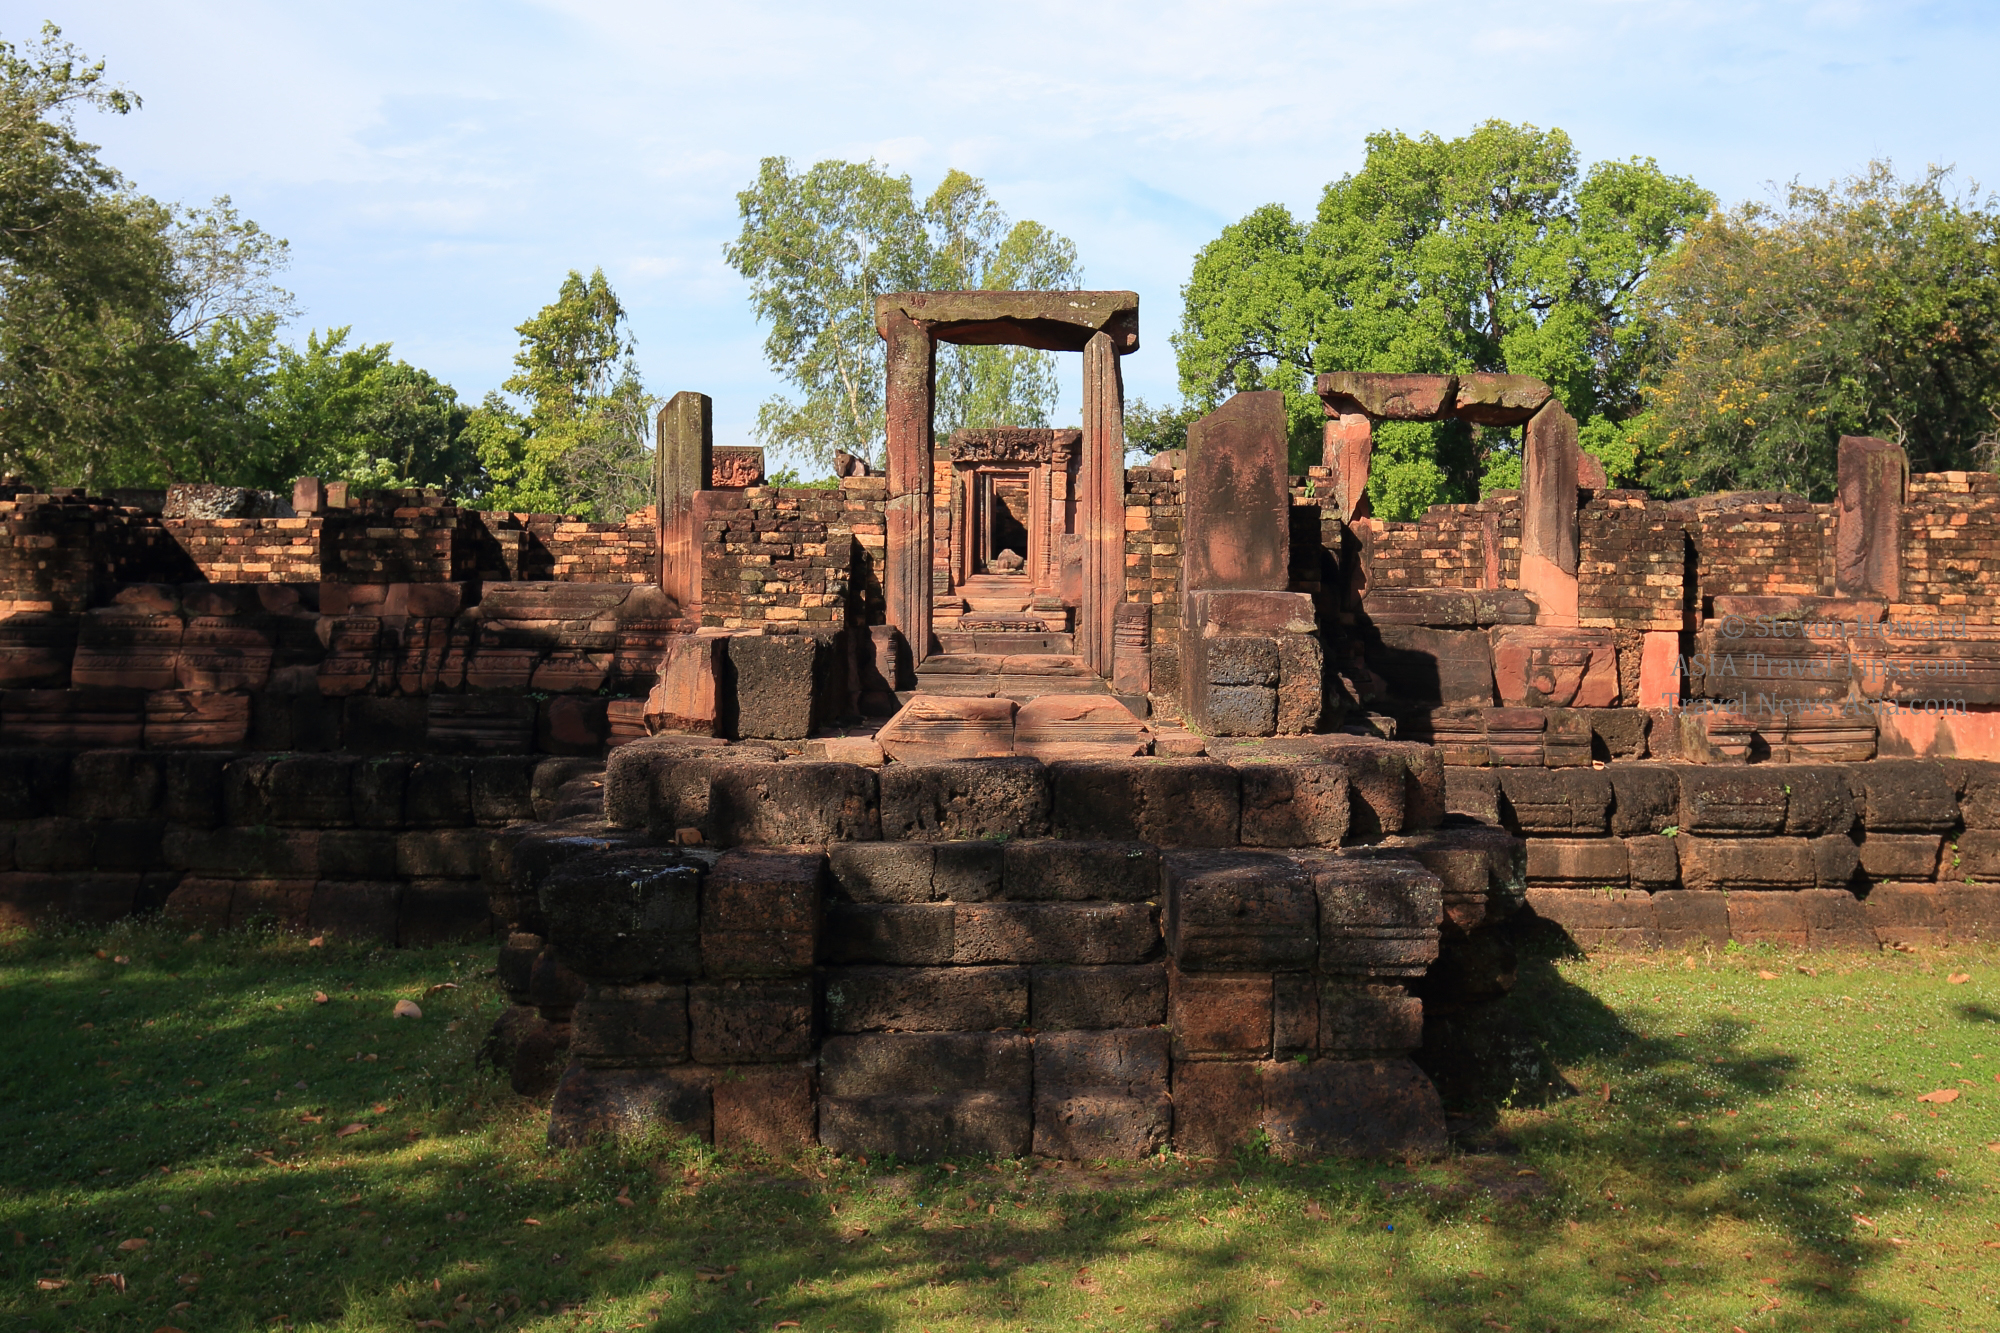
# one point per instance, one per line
(1015, 800)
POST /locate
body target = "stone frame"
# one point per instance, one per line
(1049, 459)
(1103, 326)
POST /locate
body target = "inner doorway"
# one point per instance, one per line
(1000, 509)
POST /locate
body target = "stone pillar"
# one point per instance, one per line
(684, 444)
(1101, 502)
(906, 574)
(1868, 518)
(1236, 514)
(1132, 651)
(1348, 450)
(1548, 514)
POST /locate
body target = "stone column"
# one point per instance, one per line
(1548, 514)
(1868, 518)
(1101, 502)
(684, 442)
(906, 574)
(1348, 449)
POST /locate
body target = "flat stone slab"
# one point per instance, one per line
(932, 727)
(1078, 726)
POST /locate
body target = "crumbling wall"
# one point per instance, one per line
(1153, 513)
(804, 557)
(1951, 547)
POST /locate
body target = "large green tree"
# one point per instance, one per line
(819, 245)
(1491, 252)
(580, 440)
(1868, 307)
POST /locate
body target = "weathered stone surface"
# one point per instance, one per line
(912, 934)
(1116, 996)
(1091, 1123)
(1654, 862)
(688, 697)
(1293, 804)
(1645, 798)
(1238, 911)
(1078, 726)
(1356, 1022)
(791, 803)
(1102, 1058)
(986, 798)
(606, 1103)
(1820, 800)
(1578, 863)
(1548, 514)
(1219, 1015)
(1599, 918)
(1169, 802)
(1241, 659)
(1541, 667)
(1499, 400)
(1352, 1108)
(1239, 710)
(1472, 793)
(917, 872)
(625, 915)
(1052, 870)
(1390, 397)
(889, 1064)
(751, 1022)
(1900, 856)
(1575, 801)
(1904, 796)
(441, 911)
(1733, 800)
(771, 1108)
(934, 728)
(1453, 667)
(1691, 918)
(923, 1127)
(1077, 933)
(1746, 863)
(1868, 518)
(1217, 1106)
(1235, 526)
(634, 1025)
(1378, 915)
(926, 999)
(760, 913)
(1907, 914)
(1836, 860)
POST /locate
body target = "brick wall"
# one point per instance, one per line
(1951, 547)
(775, 556)
(1762, 545)
(1153, 561)
(60, 550)
(251, 550)
(1631, 562)
(1451, 546)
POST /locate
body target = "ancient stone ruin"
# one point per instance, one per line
(1015, 800)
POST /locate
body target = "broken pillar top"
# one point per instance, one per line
(1049, 321)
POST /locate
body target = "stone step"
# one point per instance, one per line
(1007, 643)
(1003, 686)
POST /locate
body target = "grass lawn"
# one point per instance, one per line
(235, 1133)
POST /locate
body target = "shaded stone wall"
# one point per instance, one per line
(1153, 513)
(799, 556)
(1895, 852)
(400, 849)
(1078, 959)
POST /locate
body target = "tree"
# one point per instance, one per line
(582, 442)
(818, 246)
(1484, 253)
(974, 249)
(1867, 307)
(110, 301)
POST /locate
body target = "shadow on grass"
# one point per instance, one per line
(447, 1210)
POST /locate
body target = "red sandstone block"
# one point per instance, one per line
(772, 1109)
(1219, 1016)
(1217, 1106)
(1599, 918)
(760, 913)
(751, 1022)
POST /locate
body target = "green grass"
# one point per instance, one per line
(192, 1097)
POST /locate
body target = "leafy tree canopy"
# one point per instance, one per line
(579, 442)
(819, 245)
(1867, 307)
(1491, 252)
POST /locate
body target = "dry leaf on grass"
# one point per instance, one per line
(442, 985)
(345, 1130)
(321, 997)
(136, 1243)
(1762, 975)
(1959, 978)
(406, 1009)
(1941, 1096)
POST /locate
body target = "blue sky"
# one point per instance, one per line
(439, 166)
